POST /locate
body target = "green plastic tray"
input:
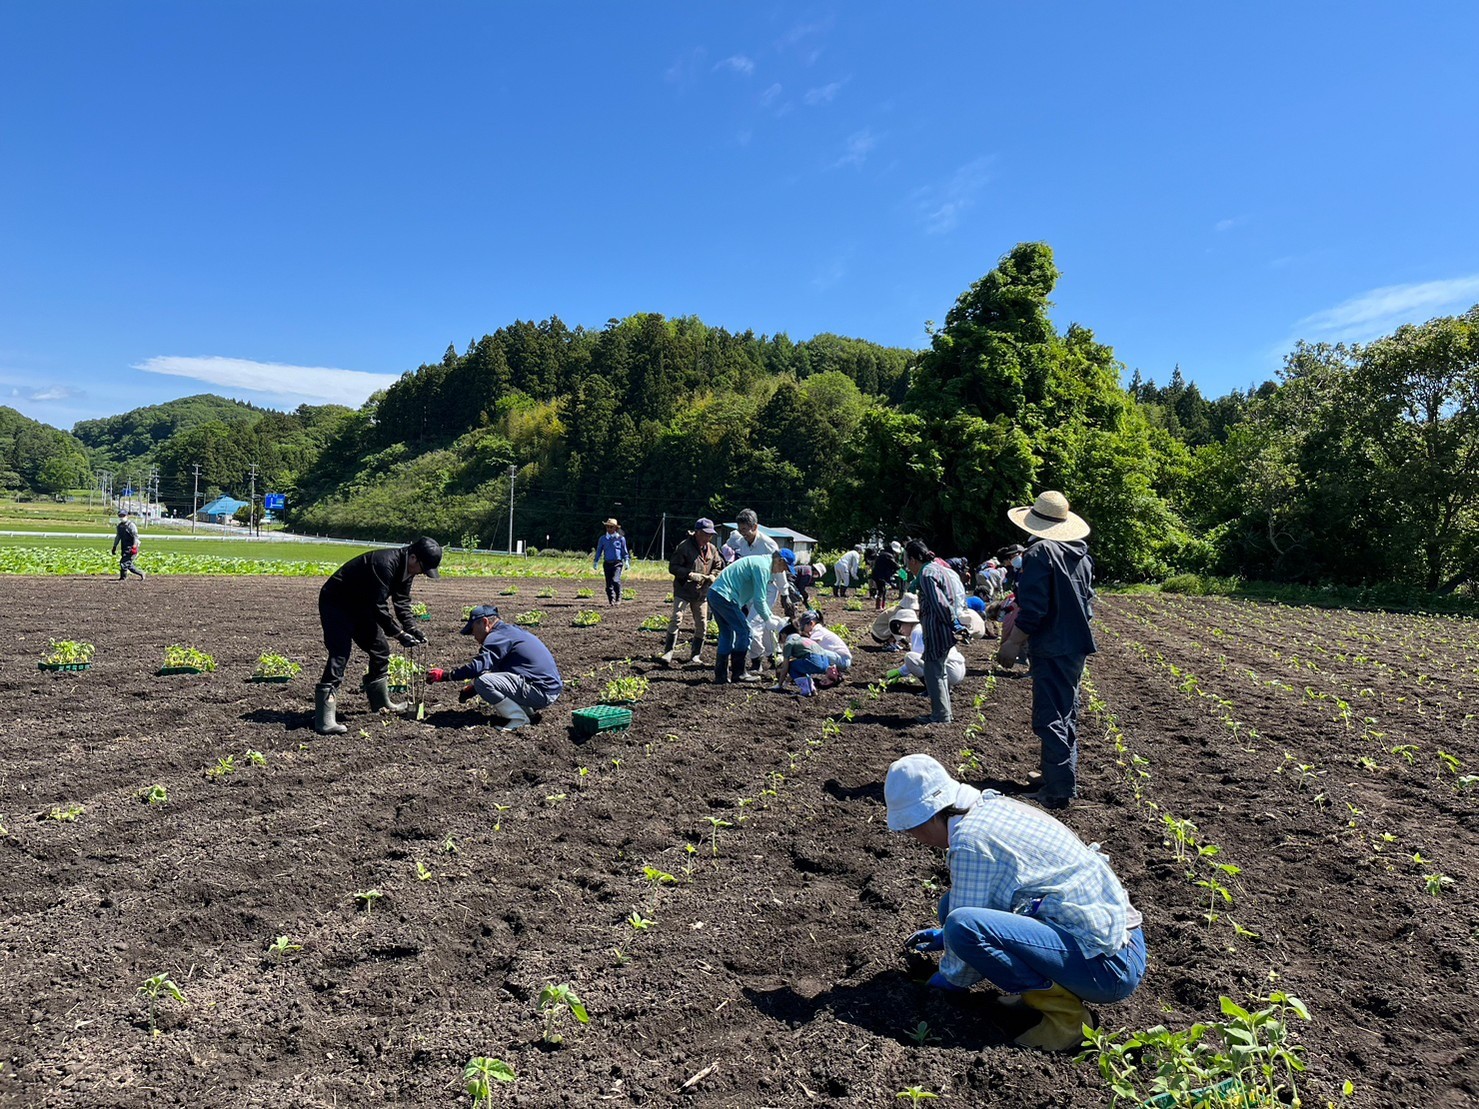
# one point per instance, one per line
(1225, 1095)
(427, 616)
(601, 718)
(64, 666)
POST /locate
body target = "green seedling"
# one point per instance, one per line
(423, 872)
(583, 592)
(155, 987)
(625, 689)
(419, 609)
(498, 821)
(449, 846)
(714, 825)
(916, 1094)
(657, 622)
(554, 798)
(1407, 750)
(223, 767)
(176, 655)
(923, 1035)
(402, 670)
(545, 593)
(511, 591)
(367, 898)
(276, 666)
(1466, 783)
(65, 815)
(586, 617)
(658, 877)
(256, 758)
(639, 922)
(282, 947)
(531, 619)
(155, 795)
(1450, 762)
(1436, 883)
(68, 652)
(480, 1074)
(554, 1001)
(582, 772)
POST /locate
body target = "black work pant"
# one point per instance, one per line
(613, 581)
(342, 629)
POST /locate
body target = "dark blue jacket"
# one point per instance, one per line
(509, 649)
(1055, 598)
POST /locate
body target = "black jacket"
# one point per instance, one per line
(1055, 598)
(366, 587)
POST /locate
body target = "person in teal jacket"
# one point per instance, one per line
(745, 582)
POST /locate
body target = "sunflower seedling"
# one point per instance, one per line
(65, 815)
(916, 1094)
(715, 823)
(282, 947)
(153, 988)
(554, 1001)
(480, 1074)
(922, 1034)
(639, 922)
(155, 795)
(367, 898)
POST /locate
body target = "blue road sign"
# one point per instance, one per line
(274, 502)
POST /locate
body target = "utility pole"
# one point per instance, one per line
(195, 500)
(662, 546)
(512, 470)
(252, 502)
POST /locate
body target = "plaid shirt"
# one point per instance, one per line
(1009, 856)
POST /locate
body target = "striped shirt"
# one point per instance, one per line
(941, 598)
(1012, 857)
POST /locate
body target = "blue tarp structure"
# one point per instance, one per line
(222, 506)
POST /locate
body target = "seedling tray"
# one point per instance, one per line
(64, 666)
(270, 680)
(400, 689)
(427, 616)
(601, 718)
(1227, 1094)
(165, 671)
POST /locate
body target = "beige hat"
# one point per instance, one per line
(611, 523)
(1049, 518)
(880, 630)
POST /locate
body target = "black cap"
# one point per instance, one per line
(477, 614)
(428, 552)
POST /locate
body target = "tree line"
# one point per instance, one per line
(1355, 466)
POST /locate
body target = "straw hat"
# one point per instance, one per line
(880, 631)
(1049, 518)
(611, 523)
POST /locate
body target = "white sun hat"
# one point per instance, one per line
(1049, 518)
(917, 787)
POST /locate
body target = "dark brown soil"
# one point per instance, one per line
(773, 966)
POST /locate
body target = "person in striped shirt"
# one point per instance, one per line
(1031, 908)
(941, 601)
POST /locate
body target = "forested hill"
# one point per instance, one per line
(116, 441)
(38, 457)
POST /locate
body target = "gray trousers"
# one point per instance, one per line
(494, 686)
(1055, 720)
(700, 611)
(937, 685)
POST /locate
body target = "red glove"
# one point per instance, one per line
(467, 693)
(133, 550)
(436, 674)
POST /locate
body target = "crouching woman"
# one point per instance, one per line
(1031, 909)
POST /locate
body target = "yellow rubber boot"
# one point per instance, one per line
(1063, 1018)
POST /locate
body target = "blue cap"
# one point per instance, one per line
(704, 524)
(789, 556)
(477, 614)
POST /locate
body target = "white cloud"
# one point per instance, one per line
(736, 63)
(940, 207)
(312, 383)
(770, 95)
(1383, 310)
(47, 393)
(800, 32)
(823, 95)
(1224, 225)
(857, 148)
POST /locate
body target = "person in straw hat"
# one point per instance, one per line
(1055, 602)
(1031, 908)
(613, 556)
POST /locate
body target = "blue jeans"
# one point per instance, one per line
(1055, 721)
(734, 630)
(1017, 953)
(810, 666)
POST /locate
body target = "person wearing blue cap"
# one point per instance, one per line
(744, 583)
(1031, 908)
(695, 564)
(513, 671)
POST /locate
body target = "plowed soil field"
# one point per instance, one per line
(1323, 753)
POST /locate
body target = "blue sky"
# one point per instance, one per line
(292, 202)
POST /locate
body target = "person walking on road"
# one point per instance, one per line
(744, 583)
(513, 670)
(1031, 908)
(1055, 602)
(695, 564)
(613, 556)
(126, 546)
(365, 600)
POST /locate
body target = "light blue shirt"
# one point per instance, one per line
(1012, 857)
(612, 548)
(746, 581)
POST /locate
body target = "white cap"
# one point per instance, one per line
(917, 787)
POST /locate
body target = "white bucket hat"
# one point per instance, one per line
(1049, 518)
(917, 787)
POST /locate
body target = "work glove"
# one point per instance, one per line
(436, 674)
(467, 693)
(133, 550)
(938, 981)
(411, 639)
(926, 939)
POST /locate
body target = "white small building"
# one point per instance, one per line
(788, 538)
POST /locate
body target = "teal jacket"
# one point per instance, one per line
(745, 582)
